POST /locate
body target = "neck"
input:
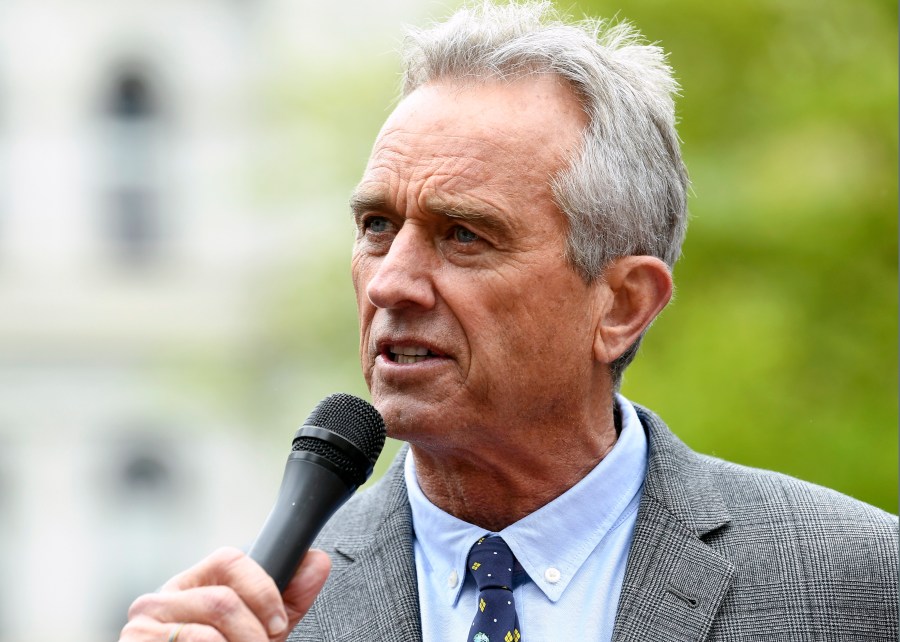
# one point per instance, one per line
(495, 485)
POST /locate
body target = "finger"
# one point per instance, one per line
(232, 567)
(219, 607)
(303, 588)
(148, 630)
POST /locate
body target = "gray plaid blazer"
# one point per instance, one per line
(720, 552)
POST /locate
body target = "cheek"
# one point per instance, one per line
(364, 309)
(361, 273)
(356, 271)
(538, 320)
(502, 321)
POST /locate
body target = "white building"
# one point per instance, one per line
(134, 255)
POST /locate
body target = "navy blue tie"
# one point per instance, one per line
(491, 563)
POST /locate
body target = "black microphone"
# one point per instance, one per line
(333, 453)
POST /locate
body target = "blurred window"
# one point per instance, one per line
(143, 477)
(132, 173)
(143, 517)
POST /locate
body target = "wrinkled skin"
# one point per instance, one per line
(492, 295)
(460, 253)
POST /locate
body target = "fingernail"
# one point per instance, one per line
(277, 624)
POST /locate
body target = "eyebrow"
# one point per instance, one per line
(362, 201)
(477, 215)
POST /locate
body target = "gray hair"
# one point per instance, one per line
(624, 191)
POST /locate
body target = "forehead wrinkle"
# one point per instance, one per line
(402, 148)
(466, 141)
(470, 166)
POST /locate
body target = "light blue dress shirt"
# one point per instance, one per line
(570, 553)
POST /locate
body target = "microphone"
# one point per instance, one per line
(333, 453)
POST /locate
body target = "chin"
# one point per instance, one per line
(400, 420)
(409, 419)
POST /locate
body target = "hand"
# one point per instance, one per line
(226, 598)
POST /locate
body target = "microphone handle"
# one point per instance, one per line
(309, 495)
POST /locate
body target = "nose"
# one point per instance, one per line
(403, 276)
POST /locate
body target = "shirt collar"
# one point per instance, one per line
(553, 542)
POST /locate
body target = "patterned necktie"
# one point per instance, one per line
(491, 564)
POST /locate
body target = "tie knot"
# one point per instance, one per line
(491, 563)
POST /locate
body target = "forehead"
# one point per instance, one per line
(503, 137)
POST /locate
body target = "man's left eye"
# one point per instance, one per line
(464, 235)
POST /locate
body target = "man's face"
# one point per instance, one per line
(472, 323)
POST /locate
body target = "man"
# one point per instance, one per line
(517, 225)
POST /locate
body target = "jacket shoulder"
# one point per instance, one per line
(689, 481)
(830, 559)
(827, 529)
(809, 563)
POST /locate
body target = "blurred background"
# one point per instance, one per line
(174, 245)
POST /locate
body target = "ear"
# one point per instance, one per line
(634, 289)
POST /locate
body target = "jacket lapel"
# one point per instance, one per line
(674, 582)
(374, 574)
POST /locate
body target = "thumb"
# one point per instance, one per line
(305, 586)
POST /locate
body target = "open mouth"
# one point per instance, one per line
(408, 354)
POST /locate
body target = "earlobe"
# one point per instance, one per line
(634, 290)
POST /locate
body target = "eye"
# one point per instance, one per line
(464, 235)
(376, 224)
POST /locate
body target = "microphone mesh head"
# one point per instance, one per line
(355, 420)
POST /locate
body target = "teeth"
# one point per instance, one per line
(412, 351)
(408, 354)
(405, 358)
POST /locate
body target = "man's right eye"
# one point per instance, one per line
(376, 224)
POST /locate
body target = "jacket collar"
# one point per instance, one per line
(674, 582)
